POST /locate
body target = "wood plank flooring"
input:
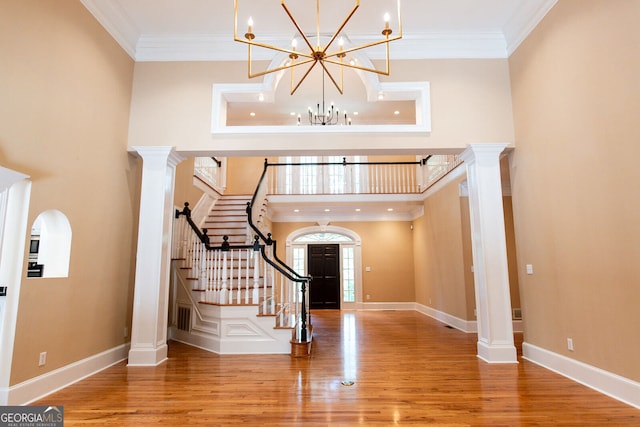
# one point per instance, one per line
(406, 368)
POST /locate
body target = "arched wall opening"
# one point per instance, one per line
(50, 245)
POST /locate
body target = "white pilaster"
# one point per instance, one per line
(153, 259)
(491, 274)
(15, 196)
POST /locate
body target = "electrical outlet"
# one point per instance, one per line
(570, 344)
(43, 359)
(368, 297)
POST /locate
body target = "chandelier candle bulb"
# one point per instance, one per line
(250, 25)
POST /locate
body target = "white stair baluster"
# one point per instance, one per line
(231, 277)
(215, 298)
(255, 298)
(202, 270)
(224, 292)
(246, 277)
(239, 273)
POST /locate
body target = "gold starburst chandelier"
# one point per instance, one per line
(318, 53)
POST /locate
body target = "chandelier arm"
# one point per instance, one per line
(359, 67)
(284, 67)
(276, 48)
(364, 46)
(304, 76)
(337, 32)
(340, 89)
(304, 37)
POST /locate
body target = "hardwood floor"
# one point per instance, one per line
(406, 369)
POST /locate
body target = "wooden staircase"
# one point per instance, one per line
(228, 217)
(234, 309)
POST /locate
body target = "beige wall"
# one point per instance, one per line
(243, 174)
(443, 254)
(65, 93)
(184, 190)
(574, 178)
(438, 252)
(172, 102)
(386, 248)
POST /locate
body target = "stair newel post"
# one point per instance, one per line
(224, 292)
(303, 309)
(255, 297)
(268, 305)
(202, 270)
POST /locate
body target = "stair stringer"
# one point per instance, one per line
(227, 329)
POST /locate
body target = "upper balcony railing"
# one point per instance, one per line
(346, 177)
(211, 171)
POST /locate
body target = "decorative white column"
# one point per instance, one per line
(15, 196)
(491, 274)
(153, 259)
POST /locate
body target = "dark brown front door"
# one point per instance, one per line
(324, 267)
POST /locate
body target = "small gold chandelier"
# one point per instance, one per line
(318, 53)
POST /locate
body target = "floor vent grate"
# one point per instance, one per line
(184, 318)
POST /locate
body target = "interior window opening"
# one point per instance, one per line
(49, 245)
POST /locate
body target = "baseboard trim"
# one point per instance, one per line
(43, 385)
(467, 326)
(610, 384)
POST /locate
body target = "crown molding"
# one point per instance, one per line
(523, 22)
(113, 19)
(207, 47)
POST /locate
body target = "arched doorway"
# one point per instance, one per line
(303, 243)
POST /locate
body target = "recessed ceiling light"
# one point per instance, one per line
(261, 97)
(390, 210)
(396, 112)
(357, 209)
(296, 210)
(327, 210)
(252, 114)
(380, 96)
(355, 113)
(293, 113)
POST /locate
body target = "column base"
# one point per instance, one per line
(147, 356)
(497, 353)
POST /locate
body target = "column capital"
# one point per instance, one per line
(475, 151)
(163, 153)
